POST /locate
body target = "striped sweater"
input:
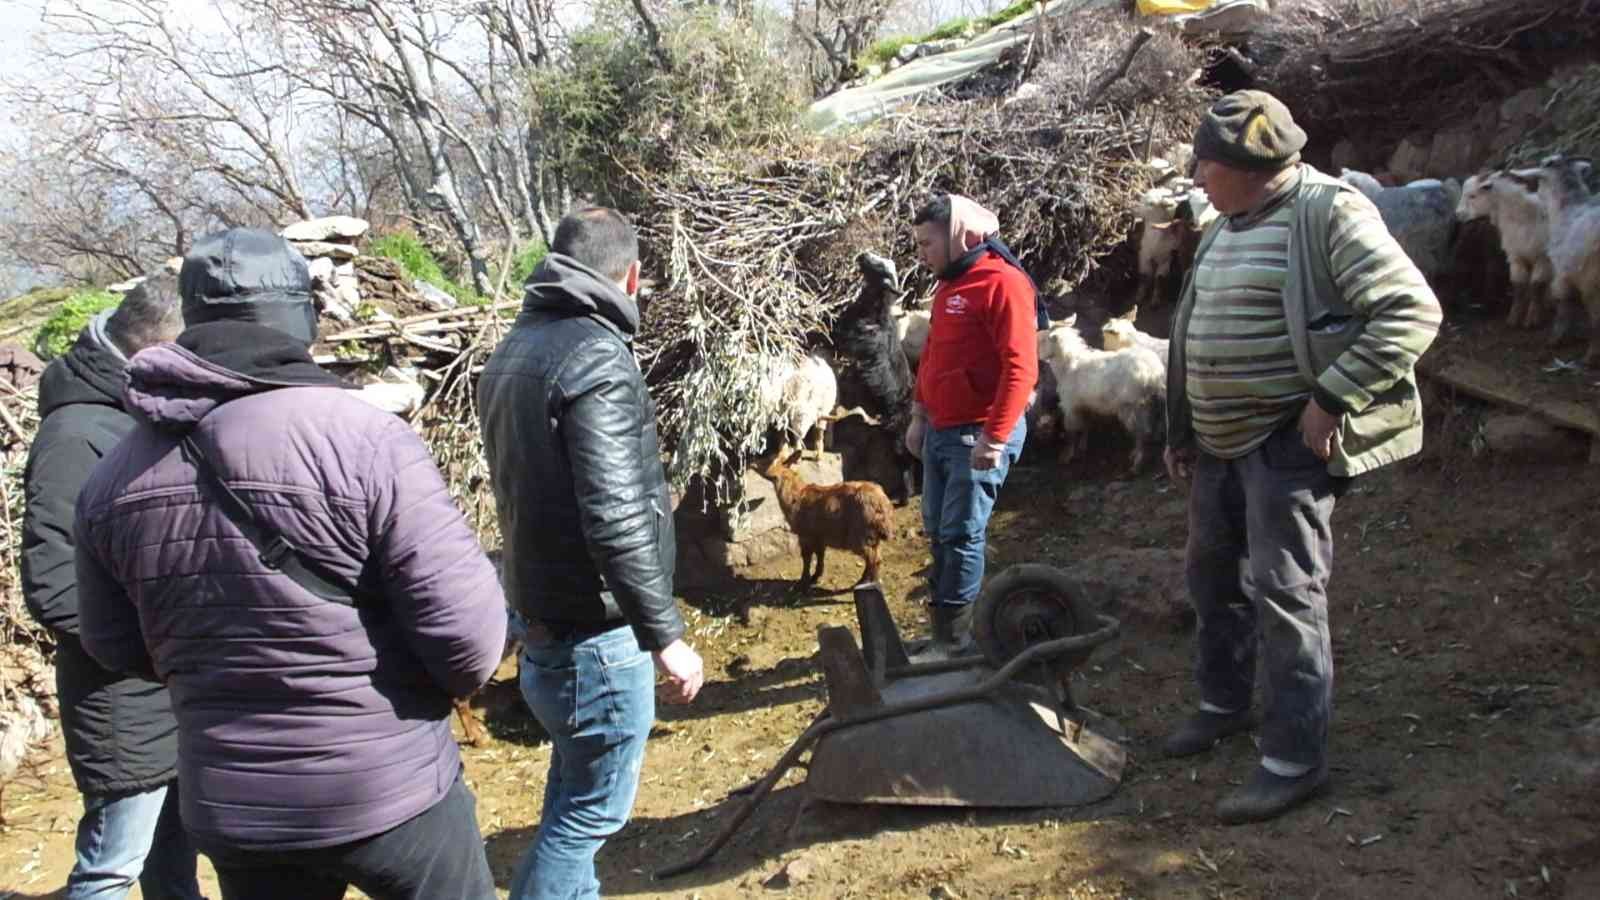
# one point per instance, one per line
(1241, 377)
(1242, 380)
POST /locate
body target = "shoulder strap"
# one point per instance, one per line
(275, 551)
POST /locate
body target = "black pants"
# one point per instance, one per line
(437, 854)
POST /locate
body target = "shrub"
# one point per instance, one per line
(58, 332)
(407, 250)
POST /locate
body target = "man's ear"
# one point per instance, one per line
(631, 282)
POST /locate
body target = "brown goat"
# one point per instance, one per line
(855, 516)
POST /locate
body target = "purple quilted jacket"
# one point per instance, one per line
(301, 722)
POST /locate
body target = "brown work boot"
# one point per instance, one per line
(1267, 796)
(1203, 729)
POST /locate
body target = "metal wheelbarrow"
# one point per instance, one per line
(995, 728)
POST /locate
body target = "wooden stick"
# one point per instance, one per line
(1110, 78)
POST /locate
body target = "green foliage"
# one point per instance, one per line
(884, 50)
(58, 333)
(615, 110)
(525, 262)
(406, 249)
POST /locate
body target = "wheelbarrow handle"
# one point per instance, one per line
(818, 727)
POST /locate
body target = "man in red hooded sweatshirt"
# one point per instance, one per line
(974, 382)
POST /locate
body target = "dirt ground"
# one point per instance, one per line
(1465, 608)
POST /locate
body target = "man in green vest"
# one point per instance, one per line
(1291, 371)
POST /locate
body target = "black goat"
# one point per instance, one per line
(874, 375)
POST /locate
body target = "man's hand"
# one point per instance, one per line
(986, 454)
(1180, 464)
(1317, 427)
(915, 432)
(684, 671)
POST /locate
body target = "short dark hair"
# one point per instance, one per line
(598, 237)
(936, 210)
(149, 314)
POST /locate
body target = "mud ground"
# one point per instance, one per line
(1465, 607)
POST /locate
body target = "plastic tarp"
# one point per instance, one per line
(1173, 7)
(854, 106)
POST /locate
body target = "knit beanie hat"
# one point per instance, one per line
(248, 275)
(1249, 130)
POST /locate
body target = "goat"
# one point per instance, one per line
(854, 515)
(1574, 218)
(1421, 215)
(1119, 333)
(874, 377)
(912, 325)
(1513, 208)
(473, 734)
(1173, 217)
(1129, 385)
(805, 397)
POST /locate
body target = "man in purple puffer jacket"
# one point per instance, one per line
(314, 749)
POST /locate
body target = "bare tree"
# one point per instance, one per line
(839, 31)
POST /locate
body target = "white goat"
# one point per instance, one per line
(1119, 333)
(1128, 385)
(1574, 217)
(1173, 215)
(1513, 208)
(1420, 215)
(805, 396)
(912, 325)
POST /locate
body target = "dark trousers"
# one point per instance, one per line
(438, 853)
(1259, 556)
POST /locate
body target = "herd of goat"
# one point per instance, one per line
(1548, 222)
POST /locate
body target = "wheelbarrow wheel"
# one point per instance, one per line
(1029, 604)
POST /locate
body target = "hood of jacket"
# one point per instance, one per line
(90, 372)
(173, 386)
(563, 285)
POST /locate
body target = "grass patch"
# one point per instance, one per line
(525, 262)
(58, 332)
(405, 249)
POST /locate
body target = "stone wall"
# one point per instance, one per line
(1480, 142)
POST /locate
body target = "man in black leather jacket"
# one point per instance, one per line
(585, 518)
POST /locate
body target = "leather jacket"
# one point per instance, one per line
(569, 430)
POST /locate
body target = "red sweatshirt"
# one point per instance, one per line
(982, 356)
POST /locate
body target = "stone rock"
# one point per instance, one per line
(1410, 159)
(122, 287)
(1345, 156)
(398, 398)
(323, 271)
(345, 270)
(1452, 153)
(796, 871)
(174, 264)
(328, 228)
(1530, 439)
(1523, 108)
(433, 297)
(314, 249)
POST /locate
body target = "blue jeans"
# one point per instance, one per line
(956, 503)
(123, 838)
(596, 697)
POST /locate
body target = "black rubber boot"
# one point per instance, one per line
(1267, 796)
(1203, 729)
(952, 628)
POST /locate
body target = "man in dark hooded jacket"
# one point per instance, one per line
(122, 743)
(570, 435)
(288, 560)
